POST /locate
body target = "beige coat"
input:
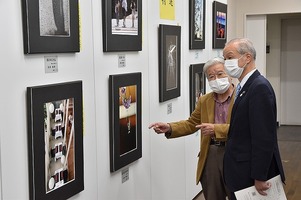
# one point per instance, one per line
(203, 113)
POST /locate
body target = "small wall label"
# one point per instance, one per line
(51, 64)
(125, 175)
(121, 60)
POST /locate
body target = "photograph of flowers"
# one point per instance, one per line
(125, 119)
(55, 140)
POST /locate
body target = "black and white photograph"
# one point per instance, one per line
(54, 18)
(169, 62)
(50, 26)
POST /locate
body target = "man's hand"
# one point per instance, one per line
(207, 129)
(160, 127)
(262, 186)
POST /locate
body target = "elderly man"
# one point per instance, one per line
(212, 117)
(252, 154)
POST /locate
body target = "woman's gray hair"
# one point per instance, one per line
(244, 45)
(211, 62)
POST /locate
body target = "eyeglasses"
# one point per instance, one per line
(220, 74)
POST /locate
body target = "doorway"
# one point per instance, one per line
(290, 77)
(281, 39)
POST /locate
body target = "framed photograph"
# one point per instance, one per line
(197, 9)
(55, 140)
(122, 25)
(169, 62)
(50, 26)
(219, 25)
(197, 84)
(125, 119)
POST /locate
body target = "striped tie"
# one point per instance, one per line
(238, 87)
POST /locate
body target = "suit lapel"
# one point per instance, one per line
(244, 91)
(230, 108)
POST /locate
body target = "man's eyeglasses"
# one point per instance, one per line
(220, 74)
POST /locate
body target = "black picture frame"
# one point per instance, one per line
(125, 119)
(197, 16)
(55, 140)
(116, 37)
(169, 62)
(50, 26)
(197, 84)
(219, 25)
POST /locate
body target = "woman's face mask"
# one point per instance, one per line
(219, 85)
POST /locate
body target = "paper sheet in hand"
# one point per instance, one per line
(275, 192)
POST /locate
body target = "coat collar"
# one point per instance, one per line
(210, 105)
(244, 89)
(250, 80)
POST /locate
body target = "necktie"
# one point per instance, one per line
(238, 87)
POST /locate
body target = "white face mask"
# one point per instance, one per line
(219, 85)
(232, 68)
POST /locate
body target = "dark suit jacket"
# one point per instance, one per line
(252, 148)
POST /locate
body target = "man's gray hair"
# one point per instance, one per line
(244, 45)
(211, 62)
